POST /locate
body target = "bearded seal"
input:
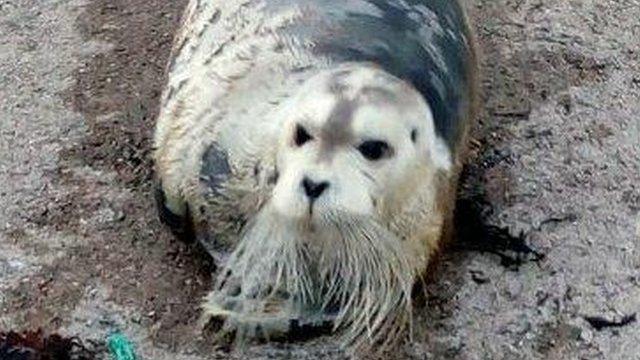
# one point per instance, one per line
(313, 147)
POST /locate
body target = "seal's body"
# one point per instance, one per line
(315, 146)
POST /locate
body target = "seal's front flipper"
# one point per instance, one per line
(181, 225)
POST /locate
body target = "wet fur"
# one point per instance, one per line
(319, 273)
(374, 299)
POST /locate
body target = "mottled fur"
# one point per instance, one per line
(238, 91)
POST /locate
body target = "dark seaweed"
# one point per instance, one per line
(475, 234)
(600, 323)
(35, 345)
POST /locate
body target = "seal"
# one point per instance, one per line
(313, 148)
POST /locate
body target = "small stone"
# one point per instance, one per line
(586, 336)
(16, 264)
(119, 216)
(574, 332)
(514, 288)
(479, 277)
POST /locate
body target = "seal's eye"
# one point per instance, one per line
(375, 150)
(301, 136)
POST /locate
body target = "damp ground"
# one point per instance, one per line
(549, 269)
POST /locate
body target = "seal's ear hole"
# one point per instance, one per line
(414, 135)
(301, 136)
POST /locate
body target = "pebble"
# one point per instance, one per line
(586, 336)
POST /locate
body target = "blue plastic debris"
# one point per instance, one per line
(120, 347)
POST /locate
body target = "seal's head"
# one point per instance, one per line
(339, 237)
(351, 142)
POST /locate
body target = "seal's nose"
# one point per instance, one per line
(314, 189)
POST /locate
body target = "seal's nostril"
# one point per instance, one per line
(314, 189)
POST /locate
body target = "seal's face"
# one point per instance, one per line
(355, 147)
(351, 141)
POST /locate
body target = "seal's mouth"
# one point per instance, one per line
(350, 273)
